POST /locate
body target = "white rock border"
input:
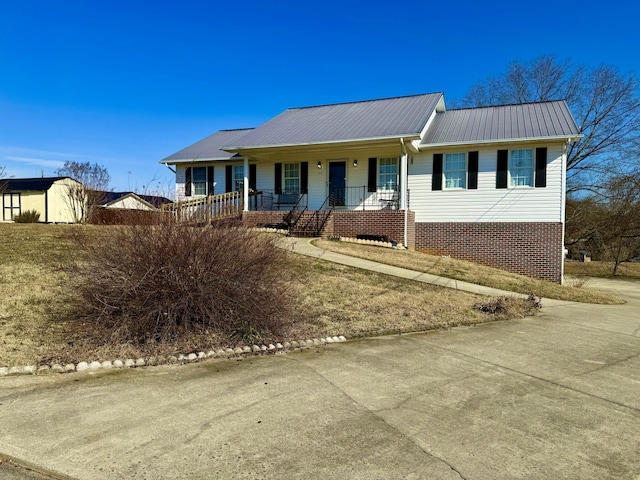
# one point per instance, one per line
(192, 357)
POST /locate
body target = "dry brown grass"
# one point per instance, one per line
(36, 327)
(627, 270)
(469, 272)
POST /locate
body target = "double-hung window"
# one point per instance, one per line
(521, 168)
(238, 177)
(199, 180)
(388, 173)
(455, 170)
(291, 178)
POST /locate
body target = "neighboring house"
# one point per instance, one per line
(482, 184)
(49, 196)
(118, 208)
(130, 201)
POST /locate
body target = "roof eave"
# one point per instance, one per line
(571, 138)
(406, 136)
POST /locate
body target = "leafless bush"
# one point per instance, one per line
(152, 283)
(510, 306)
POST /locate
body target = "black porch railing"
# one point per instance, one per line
(360, 198)
(261, 200)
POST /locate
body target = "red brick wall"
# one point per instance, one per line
(533, 249)
(351, 223)
(390, 223)
(253, 219)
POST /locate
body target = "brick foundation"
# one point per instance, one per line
(533, 249)
(351, 223)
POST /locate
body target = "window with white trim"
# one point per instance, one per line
(238, 177)
(291, 177)
(11, 202)
(455, 170)
(199, 180)
(388, 173)
(521, 168)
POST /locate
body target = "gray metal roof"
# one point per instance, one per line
(343, 122)
(502, 123)
(209, 148)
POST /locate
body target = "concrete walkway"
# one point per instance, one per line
(304, 246)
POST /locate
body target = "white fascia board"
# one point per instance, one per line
(237, 149)
(196, 160)
(440, 108)
(570, 138)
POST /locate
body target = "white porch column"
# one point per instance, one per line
(404, 184)
(245, 186)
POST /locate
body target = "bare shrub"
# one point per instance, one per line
(510, 306)
(575, 282)
(153, 283)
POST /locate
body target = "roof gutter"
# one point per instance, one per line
(235, 148)
(570, 138)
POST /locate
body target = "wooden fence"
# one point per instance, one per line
(202, 210)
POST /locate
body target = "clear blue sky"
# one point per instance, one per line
(125, 83)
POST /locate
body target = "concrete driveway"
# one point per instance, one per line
(551, 397)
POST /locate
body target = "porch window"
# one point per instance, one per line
(388, 173)
(291, 178)
(199, 180)
(521, 168)
(238, 177)
(11, 202)
(455, 170)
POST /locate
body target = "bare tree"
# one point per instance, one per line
(85, 196)
(607, 224)
(604, 102)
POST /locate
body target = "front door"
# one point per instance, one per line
(337, 183)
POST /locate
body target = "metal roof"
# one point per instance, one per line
(342, 122)
(38, 184)
(209, 148)
(502, 123)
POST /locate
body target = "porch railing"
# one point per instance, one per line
(271, 200)
(205, 209)
(360, 198)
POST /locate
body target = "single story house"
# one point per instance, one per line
(481, 184)
(49, 196)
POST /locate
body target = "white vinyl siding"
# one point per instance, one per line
(487, 203)
(455, 170)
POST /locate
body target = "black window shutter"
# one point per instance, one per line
(373, 175)
(278, 178)
(436, 178)
(210, 182)
(252, 177)
(472, 172)
(501, 171)
(187, 182)
(541, 167)
(304, 177)
(228, 178)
